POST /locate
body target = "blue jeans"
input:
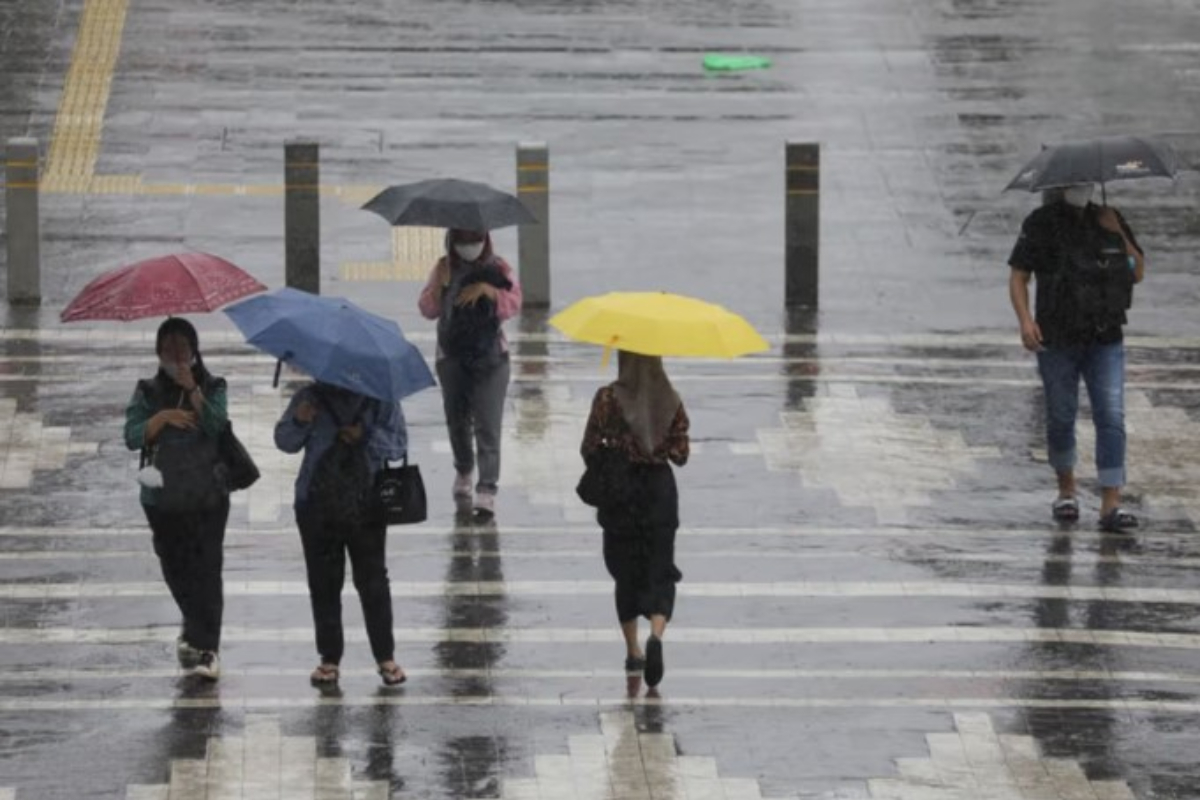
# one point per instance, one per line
(1102, 367)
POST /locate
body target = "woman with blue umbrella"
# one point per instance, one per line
(349, 424)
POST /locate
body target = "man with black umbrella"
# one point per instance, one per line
(1086, 260)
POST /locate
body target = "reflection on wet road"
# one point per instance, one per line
(876, 603)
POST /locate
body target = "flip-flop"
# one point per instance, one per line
(324, 675)
(1118, 520)
(1065, 509)
(635, 664)
(393, 676)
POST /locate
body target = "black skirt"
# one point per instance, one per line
(639, 544)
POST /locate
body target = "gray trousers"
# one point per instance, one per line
(473, 398)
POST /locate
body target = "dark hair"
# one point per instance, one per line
(178, 326)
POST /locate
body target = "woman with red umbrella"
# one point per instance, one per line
(175, 419)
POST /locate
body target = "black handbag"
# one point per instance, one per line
(401, 494)
(607, 480)
(242, 471)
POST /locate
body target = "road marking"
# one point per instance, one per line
(679, 635)
(228, 699)
(590, 377)
(915, 535)
(414, 252)
(19, 675)
(582, 588)
(79, 123)
(294, 556)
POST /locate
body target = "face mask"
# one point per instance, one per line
(469, 252)
(1078, 196)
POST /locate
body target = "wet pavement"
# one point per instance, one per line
(875, 604)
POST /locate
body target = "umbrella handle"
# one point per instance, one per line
(278, 369)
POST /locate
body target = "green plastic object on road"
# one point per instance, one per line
(723, 62)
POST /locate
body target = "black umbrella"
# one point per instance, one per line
(449, 203)
(1113, 158)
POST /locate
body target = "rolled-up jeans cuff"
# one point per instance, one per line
(1063, 461)
(1111, 477)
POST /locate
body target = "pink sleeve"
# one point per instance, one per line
(508, 305)
(430, 302)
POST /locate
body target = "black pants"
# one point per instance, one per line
(190, 548)
(326, 543)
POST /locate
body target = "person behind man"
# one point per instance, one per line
(346, 439)
(174, 418)
(1086, 260)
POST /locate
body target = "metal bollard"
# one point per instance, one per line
(533, 241)
(302, 216)
(22, 228)
(802, 225)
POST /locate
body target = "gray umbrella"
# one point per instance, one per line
(449, 203)
(1113, 158)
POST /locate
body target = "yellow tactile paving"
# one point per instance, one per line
(414, 252)
(79, 124)
(75, 142)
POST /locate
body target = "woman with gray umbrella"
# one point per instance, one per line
(471, 292)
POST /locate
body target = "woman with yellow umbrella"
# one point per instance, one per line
(637, 428)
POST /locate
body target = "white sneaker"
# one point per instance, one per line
(208, 667)
(188, 656)
(485, 505)
(462, 485)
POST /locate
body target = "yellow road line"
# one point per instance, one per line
(79, 124)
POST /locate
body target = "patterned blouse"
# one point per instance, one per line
(606, 427)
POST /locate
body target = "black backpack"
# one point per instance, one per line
(1094, 285)
(471, 333)
(340, 487)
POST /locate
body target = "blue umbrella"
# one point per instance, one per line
(335, 342)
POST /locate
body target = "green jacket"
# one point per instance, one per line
(142, 407)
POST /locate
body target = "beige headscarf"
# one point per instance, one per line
(648, 401)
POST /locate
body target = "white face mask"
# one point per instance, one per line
(469, 252)
(1078, 196)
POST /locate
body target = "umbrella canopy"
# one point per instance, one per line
(335, 342)
(1113, 158)
(184, 283)
(659, 324)
(450, 203)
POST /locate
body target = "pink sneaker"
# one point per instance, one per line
(462, 485)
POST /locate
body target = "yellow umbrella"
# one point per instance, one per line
(659, 324)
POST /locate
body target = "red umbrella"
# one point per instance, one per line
(184, 283)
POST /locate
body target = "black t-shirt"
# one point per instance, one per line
(1048, 235)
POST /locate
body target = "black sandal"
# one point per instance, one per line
(325, 675)
(1118, 521)
(1065, 509)
(654, 661)
(633, 664)
(393, 675)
